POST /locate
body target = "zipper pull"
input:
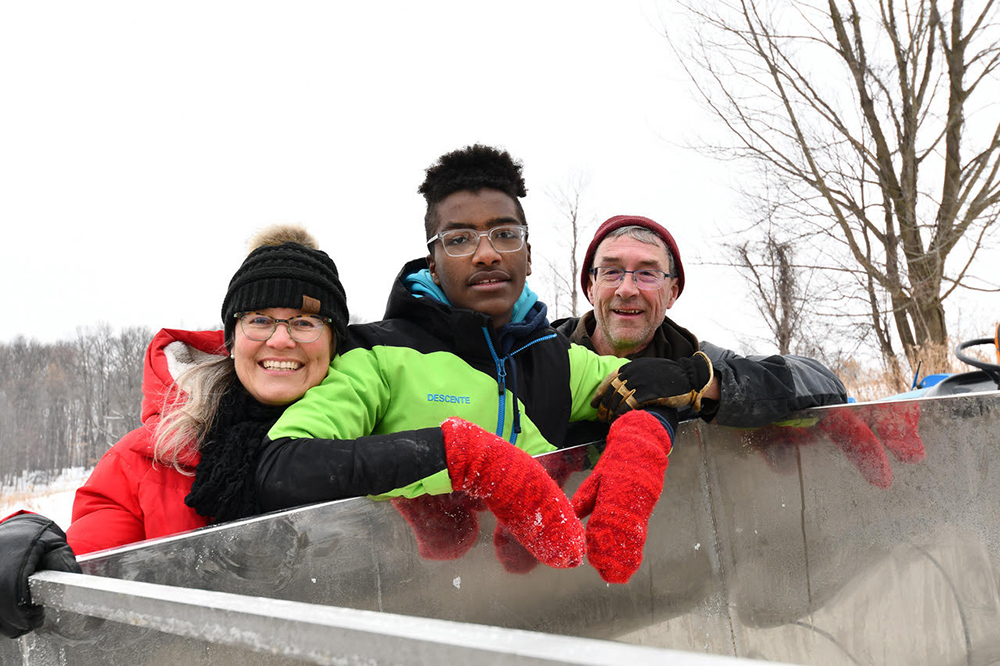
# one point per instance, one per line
(501, 377)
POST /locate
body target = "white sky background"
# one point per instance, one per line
(142, 144)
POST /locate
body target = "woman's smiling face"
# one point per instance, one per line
(280, 370)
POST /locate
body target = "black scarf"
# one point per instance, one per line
(223, 486)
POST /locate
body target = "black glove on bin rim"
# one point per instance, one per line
(29, 543)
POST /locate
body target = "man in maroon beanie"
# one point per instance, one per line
(632, 274)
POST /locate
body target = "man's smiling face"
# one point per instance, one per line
(486, 281)
(627, 317)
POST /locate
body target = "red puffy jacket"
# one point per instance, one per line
(127, 498)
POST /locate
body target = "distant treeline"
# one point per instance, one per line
(64, 404)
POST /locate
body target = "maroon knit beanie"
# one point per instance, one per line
(619, 221)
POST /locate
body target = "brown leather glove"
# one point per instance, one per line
(646, 382)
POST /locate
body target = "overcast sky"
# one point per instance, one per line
(141, 144)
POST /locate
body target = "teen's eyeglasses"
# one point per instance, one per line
(463, 242)
(646, 279)
(301, 328)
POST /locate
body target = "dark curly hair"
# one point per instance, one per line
(471, 169)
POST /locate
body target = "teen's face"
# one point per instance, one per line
(486, 281)
(627, 317)
(280, 370)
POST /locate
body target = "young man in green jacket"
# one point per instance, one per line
(463, 342)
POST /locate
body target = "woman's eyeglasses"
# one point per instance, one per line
(301, 328)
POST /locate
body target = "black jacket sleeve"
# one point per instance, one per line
(757, 390)
(292, 472)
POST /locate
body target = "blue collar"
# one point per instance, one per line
(422, 285)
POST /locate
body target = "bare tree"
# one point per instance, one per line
(868, 120)
(22, 445)
(64, 404)
(767, 266)
(779, 288)
(565, 273)
(128, 353)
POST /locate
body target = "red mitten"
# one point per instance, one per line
(896, 423)
(851, 430)
(446, 526)
(621, 492)
(512, 555)
(515, 487)
(776, 444)
(853, 436)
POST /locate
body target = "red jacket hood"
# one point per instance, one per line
(169, 354)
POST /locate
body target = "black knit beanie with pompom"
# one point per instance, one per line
(288, 275)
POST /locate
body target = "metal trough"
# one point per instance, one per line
(757, 550)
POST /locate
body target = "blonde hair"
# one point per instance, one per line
(192, 402)
(189, 412)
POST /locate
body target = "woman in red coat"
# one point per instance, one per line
(208, 397)
(127, 497)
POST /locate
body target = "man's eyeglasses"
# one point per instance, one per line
(463, 242)
(301, 328)
(646, 279)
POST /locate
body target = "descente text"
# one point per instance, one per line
(440, 397)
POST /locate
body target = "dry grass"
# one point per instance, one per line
(20, 495)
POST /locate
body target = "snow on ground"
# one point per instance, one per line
(53, 499)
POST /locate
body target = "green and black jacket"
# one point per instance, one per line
(399, 378)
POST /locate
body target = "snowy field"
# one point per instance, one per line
(53, 499)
